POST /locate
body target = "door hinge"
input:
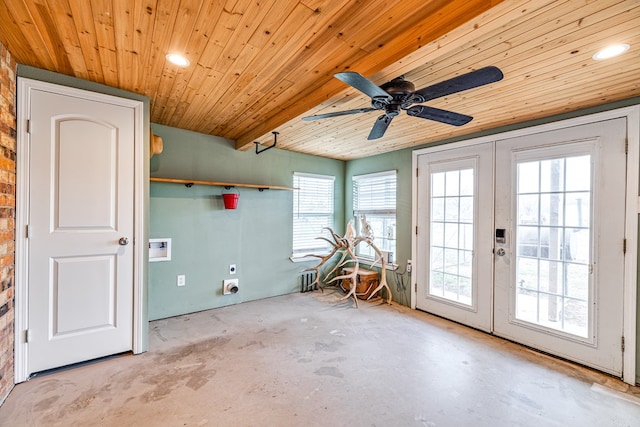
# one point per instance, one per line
(27, 335)
(624, 246)
(415, 287)
(622, 344)
(416, 172)
(416, 230)
(26, 231)
(626, 146)
(28, 126)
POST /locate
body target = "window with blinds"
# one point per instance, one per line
(374, 195)
(312, 210)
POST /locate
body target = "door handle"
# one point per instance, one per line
(500, 252)
(123, 241)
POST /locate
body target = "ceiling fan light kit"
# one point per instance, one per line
(400, 94)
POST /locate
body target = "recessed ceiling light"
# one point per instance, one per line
(611, 51)
(178, 59)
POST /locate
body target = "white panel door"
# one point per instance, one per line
(81, 195)
(455, 223)
(560, 196)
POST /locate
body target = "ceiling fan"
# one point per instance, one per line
(400, 94)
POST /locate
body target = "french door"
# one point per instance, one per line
(559, 285)
(523, 237)
(455, 229)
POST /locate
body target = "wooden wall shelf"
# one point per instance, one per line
(191, 182)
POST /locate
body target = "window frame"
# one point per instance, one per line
(383, 212)
(299, 252)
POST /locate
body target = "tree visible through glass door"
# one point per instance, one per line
(553, 239)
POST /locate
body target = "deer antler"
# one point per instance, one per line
(353, 276)
(323, 260)
(343, 261)
(383, 274)
(346, 244)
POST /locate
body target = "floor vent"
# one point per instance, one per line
(306, 281)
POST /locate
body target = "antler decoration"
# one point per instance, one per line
(368, 237)
(345, 245)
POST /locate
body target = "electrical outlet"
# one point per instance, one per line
(232, 269)
(181, 280)
(409, 266)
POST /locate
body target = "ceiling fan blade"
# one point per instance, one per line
(470, 80)
(380, 126)
(363, 84)
(438, 115)
(338, 113)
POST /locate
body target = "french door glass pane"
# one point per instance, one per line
(451, 237)
(553, 241)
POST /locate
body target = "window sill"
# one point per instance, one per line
(369, 262)
(363, 261)
(303, 258)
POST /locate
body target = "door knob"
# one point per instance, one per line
(500, 252)
(123, 241)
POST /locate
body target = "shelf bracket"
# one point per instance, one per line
(275, 140)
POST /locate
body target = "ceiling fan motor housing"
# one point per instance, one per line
(399, 87)
(400, 91)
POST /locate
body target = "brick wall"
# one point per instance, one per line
(7, 216)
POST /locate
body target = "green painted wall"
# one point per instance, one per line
(399, 280)
(206, 238)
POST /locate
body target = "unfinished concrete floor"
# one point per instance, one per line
(313, 360)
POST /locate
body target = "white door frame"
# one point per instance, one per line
(22, 215)
(632, 114)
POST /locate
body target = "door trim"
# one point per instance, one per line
(632, 114)
(25, 86)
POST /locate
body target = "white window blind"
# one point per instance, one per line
(374, 195)
(312, 210)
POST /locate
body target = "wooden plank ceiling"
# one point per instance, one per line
(259, 66)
